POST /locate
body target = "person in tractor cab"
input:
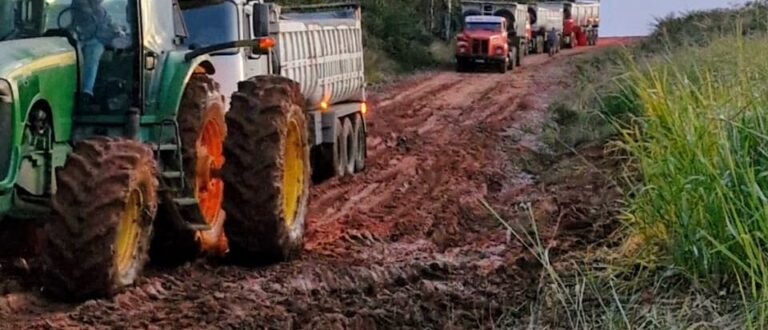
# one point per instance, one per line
(96, 30)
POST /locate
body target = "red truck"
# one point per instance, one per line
(485, 40)
(488, 25)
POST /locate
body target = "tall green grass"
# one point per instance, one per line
(701, 147)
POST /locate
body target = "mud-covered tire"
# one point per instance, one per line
(351, 146)
(362, 143)
(202, 104)
(104, 185)
(502, 67)
(339, 150)
(518, 57)
(266, 144)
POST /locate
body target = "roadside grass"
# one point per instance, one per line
(604, 289)
(692, 121)
(702, 152)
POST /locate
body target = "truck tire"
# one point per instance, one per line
(203, 130)
(502, 67)
(518, 57)
(461, 65)
(98, 238)
(267, 173)
(351, 147)
(339, 150)
(362, 143)
(539, 45)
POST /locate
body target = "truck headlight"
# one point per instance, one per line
(6, 94)
(500, 51)
(463, 50)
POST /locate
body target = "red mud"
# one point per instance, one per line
(406, 244)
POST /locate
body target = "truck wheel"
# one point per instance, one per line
(518, 57)
(502, 67)
(98, 237)
(340, 150)
(539, 45)
(362, 144)
(351, 147)
(267, 173)
(461, 65)
(203, 130)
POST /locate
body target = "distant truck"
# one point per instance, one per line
(581, 23)
(544, 17)
(516, 25)
(484, 40)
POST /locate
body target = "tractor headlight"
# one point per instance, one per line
(6, 94)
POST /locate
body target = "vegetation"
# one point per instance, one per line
(688, 108)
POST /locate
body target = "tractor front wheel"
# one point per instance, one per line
(267, 173)
(203, 129)
(99, 235)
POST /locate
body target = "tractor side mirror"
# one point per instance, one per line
(260, 20)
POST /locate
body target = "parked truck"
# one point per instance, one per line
(544, 18)
(484, 40)
(157, 145)
(581, 23)
(515, 18)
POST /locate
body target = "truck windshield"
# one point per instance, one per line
(20, 19)
(211, 24)
(483, 26)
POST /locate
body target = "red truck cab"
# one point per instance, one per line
(484, 40)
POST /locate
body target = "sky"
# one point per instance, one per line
(636, 17)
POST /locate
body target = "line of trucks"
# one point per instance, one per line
(501, 33)
(205, 125)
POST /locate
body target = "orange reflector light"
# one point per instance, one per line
(200, 69)
(324, 105)
(266, 43)
(363, 108)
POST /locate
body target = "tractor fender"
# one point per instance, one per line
(176, 73)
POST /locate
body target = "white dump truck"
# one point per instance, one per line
(319, 47)
(544, 18)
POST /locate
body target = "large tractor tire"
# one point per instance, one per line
(267, 173)
(99, 234)
(203, 129)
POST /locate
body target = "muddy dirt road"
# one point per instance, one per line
(404, 245)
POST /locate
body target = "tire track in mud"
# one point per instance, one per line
(403, 245)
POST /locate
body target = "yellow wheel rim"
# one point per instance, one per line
(128, 232)
(293, 173)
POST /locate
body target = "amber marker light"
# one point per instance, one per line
(266, 43)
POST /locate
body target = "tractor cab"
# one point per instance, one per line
(103, 33)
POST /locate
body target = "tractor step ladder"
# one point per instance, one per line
(173, 185)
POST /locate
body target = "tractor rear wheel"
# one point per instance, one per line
(267, 173)
(98, 237)
(203, 130)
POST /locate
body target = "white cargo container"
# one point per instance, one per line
(324, 54)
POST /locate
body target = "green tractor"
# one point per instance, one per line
(113, 130)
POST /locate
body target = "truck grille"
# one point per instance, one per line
(5, 138)
(480, 47)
